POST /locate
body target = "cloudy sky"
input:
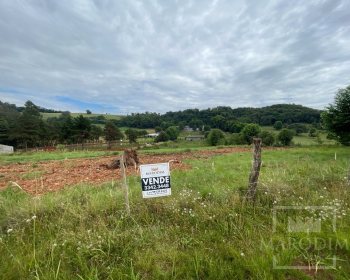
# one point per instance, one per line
(163, 55)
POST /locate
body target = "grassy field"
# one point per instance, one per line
(107, 116)
(205, 230)
(304, 139)
(57, 155)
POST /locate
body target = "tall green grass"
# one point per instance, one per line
(205, 230)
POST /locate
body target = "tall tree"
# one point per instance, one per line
(173, 132)
(96, 132)
(81, 129)
(132, 135)
(28, 130)
(112, 132)
(4, 130)
(66, 128)
(336, 118)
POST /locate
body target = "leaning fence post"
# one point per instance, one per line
(255, 171)
(125, 185)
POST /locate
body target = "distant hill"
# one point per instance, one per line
(223, 117)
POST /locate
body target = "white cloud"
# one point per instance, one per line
(154, 55)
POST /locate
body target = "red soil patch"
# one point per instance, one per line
(56, 174)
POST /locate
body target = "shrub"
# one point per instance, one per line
(236, 139)
(215, 137)
(173, 132)
(250, 131)
(268, 138)
(132, 135)
(162, 137)
(278, 125)
(298, 128)
(312, 132)
(285, 137)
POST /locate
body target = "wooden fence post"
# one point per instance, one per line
(125, 185)
(255, 171)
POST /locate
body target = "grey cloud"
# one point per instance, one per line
(169, 55)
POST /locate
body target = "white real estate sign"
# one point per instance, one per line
(155, 180)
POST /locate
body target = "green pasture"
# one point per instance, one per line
(204, 230)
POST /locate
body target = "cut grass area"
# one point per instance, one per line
(56, 155)
(304, 139)
(203, 231)
(107, 116)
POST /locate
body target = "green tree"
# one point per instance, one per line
(267, 138)
(234, 126)
(196, 123)
(66, 128)
(112, 132)
(278, 125)
(336, 118)
(88, 112)
(215, 137)
(219, 122)
(131, 134)
(162, 137)
(81, 129)
(96, 132)
(28, 130)
(285, 137)
(4, 130)
(142, 133)
(250, 131)
(173, 132)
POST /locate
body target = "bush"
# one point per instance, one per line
(285, 137)
(162, 137)
(312, 132)
(132, 135)
(267, 138)
(234, 126)
(278, 125)
(215, 137)
(250, 131)
(236, 139)
(173, 132)
(298, 128)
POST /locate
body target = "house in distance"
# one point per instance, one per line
(194, 137)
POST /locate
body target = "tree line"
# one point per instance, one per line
(26, 128)
(224, 118)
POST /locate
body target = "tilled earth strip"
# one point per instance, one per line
(47, 176)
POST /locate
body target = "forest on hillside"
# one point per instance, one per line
(25, 127)
(224, 118)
